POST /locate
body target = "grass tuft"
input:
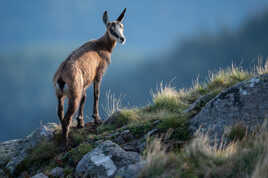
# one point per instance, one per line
(166, 98)
(113, 104)
(246, 158)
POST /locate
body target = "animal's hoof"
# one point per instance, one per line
(97, 119)
(80, 123)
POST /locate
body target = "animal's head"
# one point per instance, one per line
(115, 28)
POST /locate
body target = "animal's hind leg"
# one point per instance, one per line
(74, 100)
(61, 108)
(60, 96)
(80, 117)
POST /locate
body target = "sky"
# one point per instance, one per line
(150, 25)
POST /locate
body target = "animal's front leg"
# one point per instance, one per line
(95, 115)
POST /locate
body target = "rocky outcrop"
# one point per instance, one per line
(105, 160)
(13, 152)
(245, 103)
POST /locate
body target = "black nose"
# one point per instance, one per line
(122, 39)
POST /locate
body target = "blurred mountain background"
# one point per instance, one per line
(174, 41)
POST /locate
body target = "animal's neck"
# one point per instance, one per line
(107, 42)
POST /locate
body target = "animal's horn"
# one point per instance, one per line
(121, 15)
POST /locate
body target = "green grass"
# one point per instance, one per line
(122, 118)
(179, 125)
(75, 154)
(38, 157)
(50, 154)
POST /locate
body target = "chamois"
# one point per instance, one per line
(82, 67)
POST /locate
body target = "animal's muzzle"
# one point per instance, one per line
(122, 40)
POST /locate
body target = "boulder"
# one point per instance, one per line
(18, 148)
(105, 160)
(40, 175)
(245, 103)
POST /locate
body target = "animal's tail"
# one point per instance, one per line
(57, 82)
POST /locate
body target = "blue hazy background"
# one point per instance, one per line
(165, 40)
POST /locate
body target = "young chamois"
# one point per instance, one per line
(84, 66)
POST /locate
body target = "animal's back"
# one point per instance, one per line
(82, 62)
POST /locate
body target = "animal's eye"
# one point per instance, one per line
(113, 26)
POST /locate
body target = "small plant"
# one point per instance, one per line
(166, 98)
(112, 105)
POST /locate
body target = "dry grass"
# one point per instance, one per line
(113, 104)
(159, 162)
(166, 98)
(261, 167)
(241, 159)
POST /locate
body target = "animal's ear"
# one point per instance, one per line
(122, 15)
(105, 18)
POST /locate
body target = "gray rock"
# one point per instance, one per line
(95, 164)
(244, 103)
(8, 149)
(137, 145)
(40, 175)
(19, 147)
(194, 108)
(104, 160)
(130, 171)
(126, 135)
(119, 140)
(57, 172)
(123, 137)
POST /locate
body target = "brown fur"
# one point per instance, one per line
(84, 66)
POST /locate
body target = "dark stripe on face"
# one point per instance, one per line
(113, 33)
